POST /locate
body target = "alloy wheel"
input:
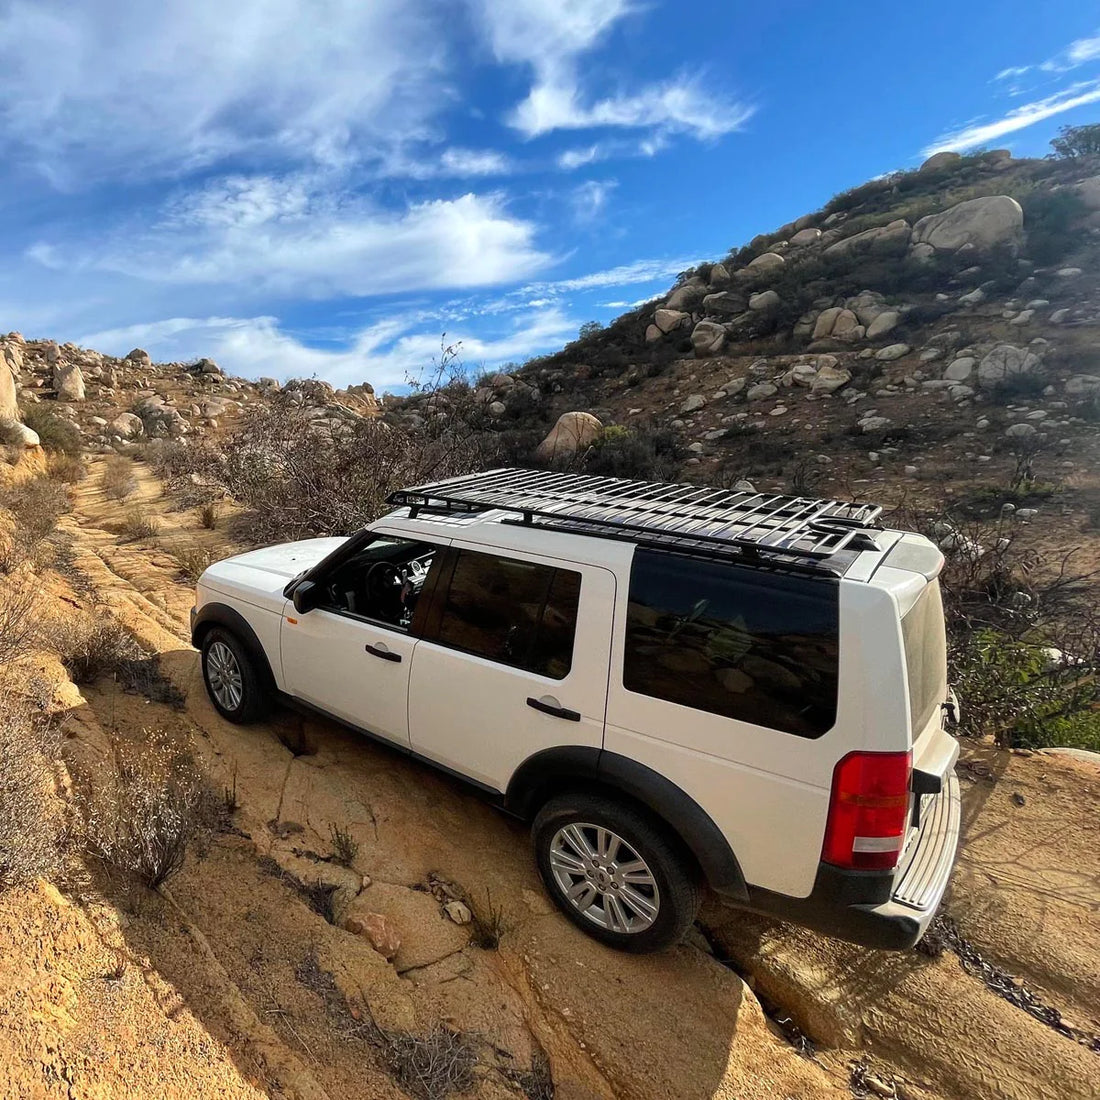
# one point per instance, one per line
(223, 674)
(604, 878)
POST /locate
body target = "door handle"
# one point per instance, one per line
(383, 652)
(554, 710)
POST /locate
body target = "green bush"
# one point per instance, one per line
(1077, 141)
(1052, 219)
(55, 432)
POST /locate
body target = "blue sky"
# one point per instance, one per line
(324, 187)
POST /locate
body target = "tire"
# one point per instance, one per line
(236, 686)
(651, 910)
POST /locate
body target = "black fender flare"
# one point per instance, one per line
(556, 769)
(220, 614)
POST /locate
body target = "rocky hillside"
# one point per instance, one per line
(930, 326)
(116, 404)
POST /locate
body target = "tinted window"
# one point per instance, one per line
(925, 637)
(738, 642)
(515, 612)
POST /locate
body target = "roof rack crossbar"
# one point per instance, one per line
(743, 522)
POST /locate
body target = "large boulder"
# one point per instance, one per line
(1006, 361)
(708, 338)
(127, 425)
(724, 303)
(68, 381)
(688, 295)
(805, 237)
(883, 240)
(668, 319)
(9, 407)
(940, 160)
(1089, 192)
(573, 432)
(885, 322)
(984, 223)
(140, 358)
(838, 324)
(763, 267)
(19, 435)
(1083, 385)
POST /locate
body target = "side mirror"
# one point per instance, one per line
(306, 596)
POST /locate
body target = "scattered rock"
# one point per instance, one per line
(892, 351)
(961, 369)
(694, 402)
(761, 390)
(68, 381)
(830, 379)
(668, 320)
(885, 322)
(458, 911)
(1005, 361)
(375, 928)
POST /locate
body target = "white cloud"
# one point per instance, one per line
(578, 158)
(676, 106)
(550, 38)
(1084, 49)
(474, 162)
(264, 235)
(640, 271)
(1013, 71)
(1078, 95)
(384, 354)
(104, 86)
(589, 199)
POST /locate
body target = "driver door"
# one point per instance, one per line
(351, 656)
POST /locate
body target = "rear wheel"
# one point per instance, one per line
(233, 682)
(614, 872)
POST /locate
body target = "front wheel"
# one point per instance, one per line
(615, 873)
(232, 679)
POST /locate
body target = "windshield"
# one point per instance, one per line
(925, 638)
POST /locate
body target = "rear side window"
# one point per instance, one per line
(925, 636)
(742, 643)
(515, 612)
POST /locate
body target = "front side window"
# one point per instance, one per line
(517, 613)
(382, 581)
(742, 643)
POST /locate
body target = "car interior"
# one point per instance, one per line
(382, 581)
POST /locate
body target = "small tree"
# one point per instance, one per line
(1077, 141)
(589, 328)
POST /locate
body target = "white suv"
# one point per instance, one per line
(677, 685)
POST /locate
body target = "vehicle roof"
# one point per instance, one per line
(760, 529)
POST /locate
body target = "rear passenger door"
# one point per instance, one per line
(513, 660)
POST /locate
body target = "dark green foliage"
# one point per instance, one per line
(55, 432)
(648, 453)
(1077, 141)
(589, 329)
(1052, 219)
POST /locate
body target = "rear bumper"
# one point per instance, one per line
(885, 909)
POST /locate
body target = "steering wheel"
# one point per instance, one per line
(381, 580)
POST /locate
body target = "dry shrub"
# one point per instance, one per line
(17, 623)
(68, 469)
(32, 821)
(138, 524)
(35, 507)
(93, 644)
(297, 480)
(156, 805)
(193, 561)
(118, 479)
(56, 433)
(208, 515)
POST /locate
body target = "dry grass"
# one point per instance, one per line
(344, 846)
(138, 525)
(65, 468)
(17, 623)
(488, 925)
(157, 805)
(208, 516)
(33, 833)
(118, 479)
(193, 561)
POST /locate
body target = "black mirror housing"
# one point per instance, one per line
(306, 596)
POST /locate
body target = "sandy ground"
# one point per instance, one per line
(236, 987)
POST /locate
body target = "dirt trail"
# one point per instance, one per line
(244, 949)
(249, 959)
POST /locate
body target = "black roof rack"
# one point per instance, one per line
(755, 527)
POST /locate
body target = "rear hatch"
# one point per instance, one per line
(936, 812)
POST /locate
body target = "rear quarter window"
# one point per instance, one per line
(739, 642)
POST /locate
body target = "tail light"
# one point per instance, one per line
(868, 811)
